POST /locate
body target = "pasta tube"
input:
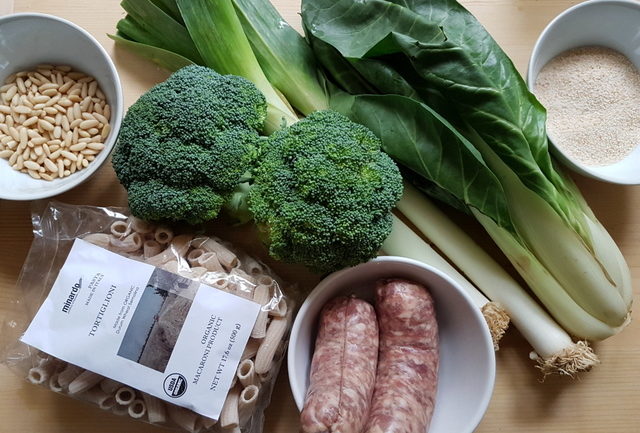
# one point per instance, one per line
(39, 375)
(226, 258)
(252, 266)
(247, 402)
(265, 280)
(183, 417)
(207, 423)
(242, 275)
(110, 386)
(163, 235)
(54, 385)
(194, 255)
(86, 380)
(177, 249)
(267, 350)
(171, 266)
(69, 374)
(155, 408)
(99, 239)
(129, 244)
(137, 409)
(120, 410)
(125, 395)
(246, 373)
(229, 414)
(250, 349)
(99, 397)
(210, 261)
(261, 295)
(151, 248)
(120, 229)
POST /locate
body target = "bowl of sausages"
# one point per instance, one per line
(389, 346)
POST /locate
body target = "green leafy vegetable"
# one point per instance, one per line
(456, 113)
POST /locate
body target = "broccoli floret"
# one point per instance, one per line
(323, 192)
(155, 200)
(184, 144)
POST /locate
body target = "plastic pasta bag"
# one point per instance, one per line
(234, 302)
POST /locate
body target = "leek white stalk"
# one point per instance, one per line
(404, 242)
(554, 350)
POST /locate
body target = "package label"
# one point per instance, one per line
(153, 330)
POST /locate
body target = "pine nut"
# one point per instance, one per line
(31, 165)
(22, 109)
(50, 165)
(77, 147)
(95, 146)
(30, 121)
(45, 125)
(88, 124)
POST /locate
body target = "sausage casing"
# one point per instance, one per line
(406, 382)
(343, 368)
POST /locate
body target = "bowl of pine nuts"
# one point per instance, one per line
(61, 106)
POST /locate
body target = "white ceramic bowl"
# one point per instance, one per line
(29, 39)
(467, 360)
(613, 24)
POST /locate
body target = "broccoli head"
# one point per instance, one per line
(323, 192)
(184, 145)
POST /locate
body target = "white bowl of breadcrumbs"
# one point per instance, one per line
(584, 69)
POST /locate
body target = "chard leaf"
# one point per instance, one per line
(340, 69)
(421, 140)
(454, 55)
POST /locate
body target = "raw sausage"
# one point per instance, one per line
(343, 368)
(405, 390)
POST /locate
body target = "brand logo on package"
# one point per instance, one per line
(175, 385)
(66, 308)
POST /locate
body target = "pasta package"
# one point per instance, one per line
(170, 327)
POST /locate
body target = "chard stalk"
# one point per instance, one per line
(561, 269)
(554, 351)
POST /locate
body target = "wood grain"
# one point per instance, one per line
(606, 400)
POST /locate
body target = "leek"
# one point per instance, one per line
(205, 32)
(404, 242)
(284, 55)
(167, 59)
(217, 32)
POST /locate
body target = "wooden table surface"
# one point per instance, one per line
(606, 399)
